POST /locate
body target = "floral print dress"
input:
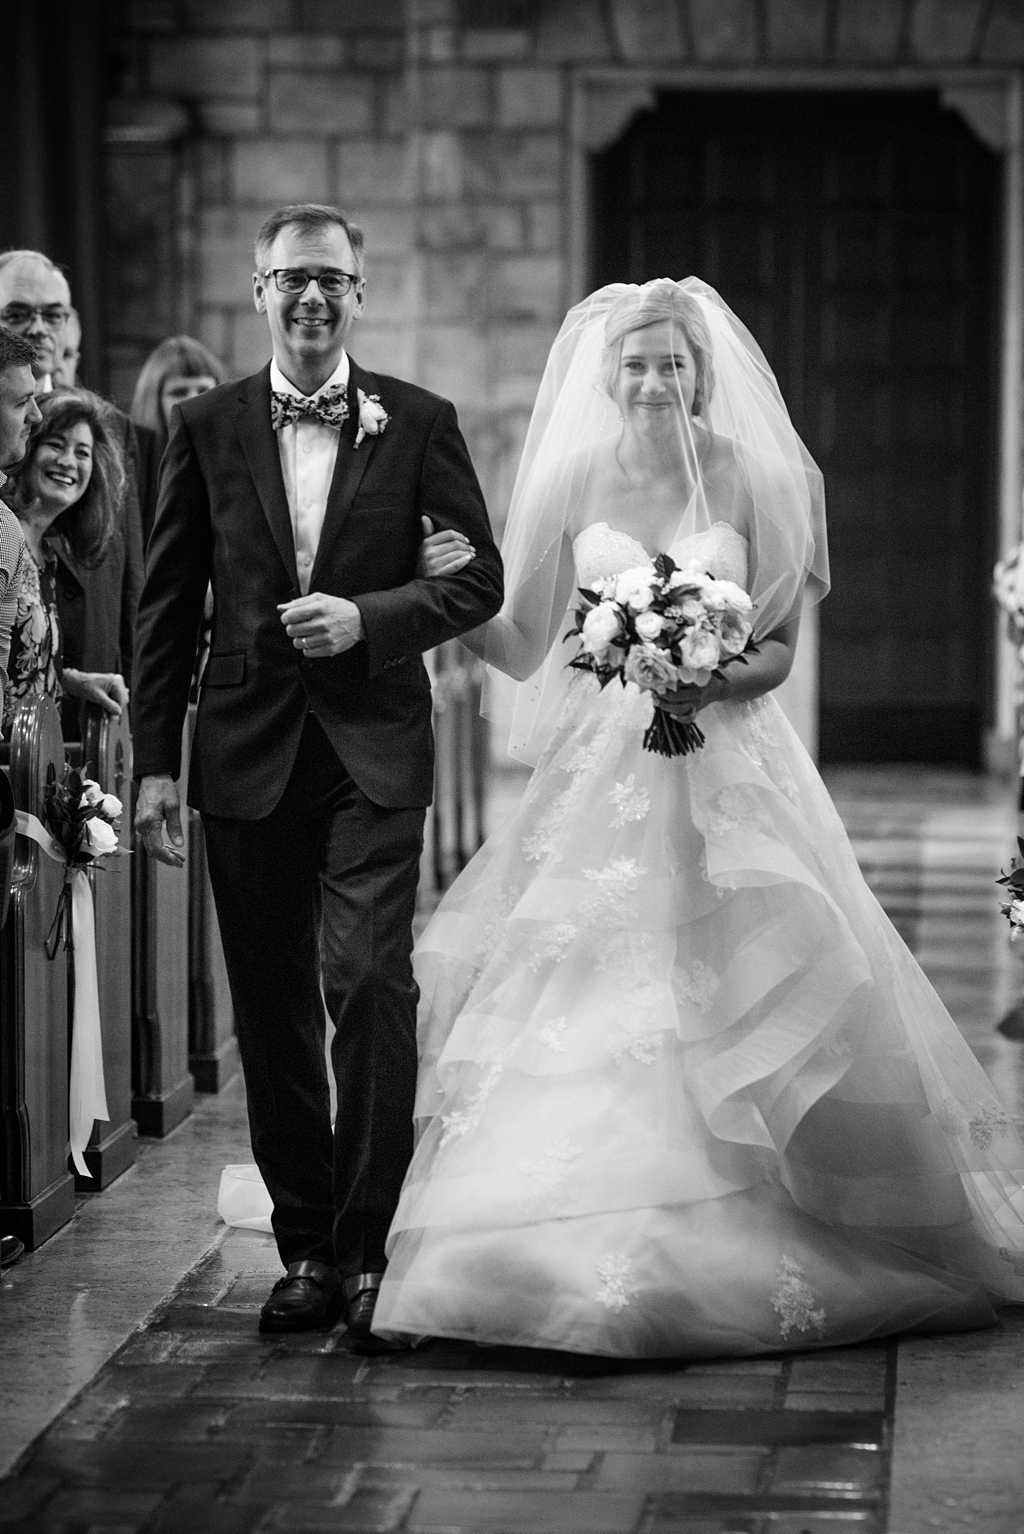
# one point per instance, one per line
(34, 666)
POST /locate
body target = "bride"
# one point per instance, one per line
(683, 1090)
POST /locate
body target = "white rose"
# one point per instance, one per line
(92, 795)
(714, 598)
(699, 655)
(110, 806)
(99, 837)
(649, 625)
(693, 576)
(734, 633)
(650, 668)
(600, 627)
(372, 416)
(692, 608)
(736, 598)
(633, 588)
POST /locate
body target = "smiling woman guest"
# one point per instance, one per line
(68, 489)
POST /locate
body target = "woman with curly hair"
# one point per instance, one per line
(67, 490)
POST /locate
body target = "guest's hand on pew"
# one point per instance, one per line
(159, 804)
(103, 687)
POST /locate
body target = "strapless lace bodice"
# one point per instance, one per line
(601, 551)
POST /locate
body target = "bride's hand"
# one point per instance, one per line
(686, 701)
(443, 553)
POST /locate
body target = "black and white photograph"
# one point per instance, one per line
(512, 767)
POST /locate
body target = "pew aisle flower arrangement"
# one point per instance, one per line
(85, 823)
(81, 829)
(661, 626)
(1013, 882)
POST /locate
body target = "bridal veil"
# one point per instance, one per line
(777, 494)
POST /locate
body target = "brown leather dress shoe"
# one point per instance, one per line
(309, 1298)
(361, 1292)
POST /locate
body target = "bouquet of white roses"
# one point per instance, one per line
(1013, 882)
(84, 823)
(1008, 590)
(661, 626)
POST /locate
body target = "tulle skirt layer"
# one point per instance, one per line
(684, 1091)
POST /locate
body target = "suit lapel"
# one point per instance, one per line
(349, 468)
(259, 444)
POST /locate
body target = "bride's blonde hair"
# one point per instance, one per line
(662, 300)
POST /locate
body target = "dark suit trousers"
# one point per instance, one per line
(324, 887)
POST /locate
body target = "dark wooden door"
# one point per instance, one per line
(855, 235)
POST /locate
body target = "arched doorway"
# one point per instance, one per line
(855, 234)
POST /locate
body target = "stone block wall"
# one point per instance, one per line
(444, 128)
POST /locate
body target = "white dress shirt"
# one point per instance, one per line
(308, 450)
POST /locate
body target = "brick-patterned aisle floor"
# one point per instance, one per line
(200, 1424)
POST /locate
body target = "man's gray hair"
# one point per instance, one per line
(8, 257)
(307, 216)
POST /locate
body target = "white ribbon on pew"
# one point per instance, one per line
(87, 1091)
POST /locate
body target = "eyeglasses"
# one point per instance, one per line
(294, 280)
(53, 316)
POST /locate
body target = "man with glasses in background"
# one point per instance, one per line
(299, 493)
(35, 302)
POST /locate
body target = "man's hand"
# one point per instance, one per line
(106, 688)
(159, 802)
(320, 625)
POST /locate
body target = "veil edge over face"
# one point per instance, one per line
(760, 477)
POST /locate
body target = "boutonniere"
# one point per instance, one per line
(372, 416)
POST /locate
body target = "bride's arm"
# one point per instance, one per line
(517, 640)
(741, 680)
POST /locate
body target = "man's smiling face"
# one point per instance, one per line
(307, 329)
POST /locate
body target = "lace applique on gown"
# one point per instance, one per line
(683, 1090)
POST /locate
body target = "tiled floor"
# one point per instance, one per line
(197, 1423)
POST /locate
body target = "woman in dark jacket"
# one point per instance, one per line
(68, 494)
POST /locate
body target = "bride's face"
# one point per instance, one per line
(657, 377)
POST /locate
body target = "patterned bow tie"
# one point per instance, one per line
(330, 408)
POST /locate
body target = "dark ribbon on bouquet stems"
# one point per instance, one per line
(670, 736)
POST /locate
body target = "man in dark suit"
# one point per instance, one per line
(299, 493)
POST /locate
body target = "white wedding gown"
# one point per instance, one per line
(684, 1091)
